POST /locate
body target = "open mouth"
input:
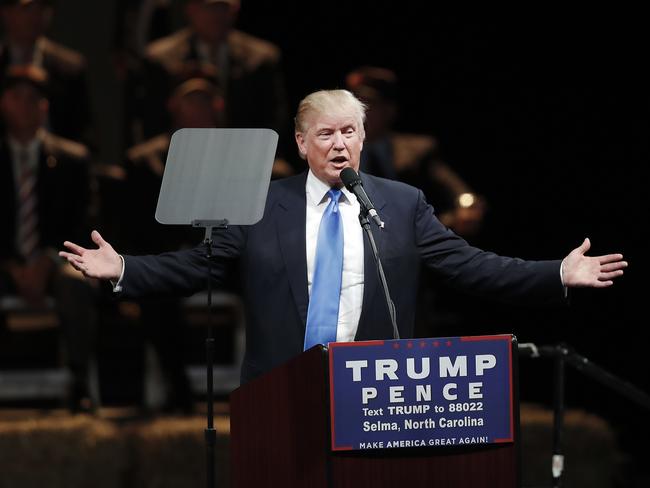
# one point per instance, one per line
(339, 160)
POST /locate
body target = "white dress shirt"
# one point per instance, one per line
(352, 280)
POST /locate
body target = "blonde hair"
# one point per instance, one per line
(330, 101)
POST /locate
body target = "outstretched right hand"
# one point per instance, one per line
(103, 262)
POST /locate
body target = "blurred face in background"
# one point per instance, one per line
(24, 109)
(211, 21)
(24, 24)
(197, 109)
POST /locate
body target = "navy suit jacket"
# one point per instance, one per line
(272, 259)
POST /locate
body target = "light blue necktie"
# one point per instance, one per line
(323, 311)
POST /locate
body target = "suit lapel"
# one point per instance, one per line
(371, 281)
(290, 224)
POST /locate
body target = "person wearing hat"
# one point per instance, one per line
(24, 41)
(45, 194)
(248, 70)
(194, 101)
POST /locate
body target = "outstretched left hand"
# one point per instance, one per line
(579, 270)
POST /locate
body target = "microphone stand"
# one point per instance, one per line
(365, 225)
(562, 355)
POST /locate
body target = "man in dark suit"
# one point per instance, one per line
(287, 258)
(45, 195)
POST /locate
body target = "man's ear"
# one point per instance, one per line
(302, 145)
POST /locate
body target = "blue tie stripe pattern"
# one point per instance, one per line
(323, 311)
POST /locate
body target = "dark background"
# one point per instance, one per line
(543, 113)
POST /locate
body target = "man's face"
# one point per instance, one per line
(331, 143)
(211, 21)
(24, 23)
(197, 109)
(23, 108)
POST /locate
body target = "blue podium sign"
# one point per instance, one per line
(421, 392)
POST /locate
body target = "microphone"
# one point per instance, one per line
(352, 182)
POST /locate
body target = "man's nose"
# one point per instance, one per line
(338, 140)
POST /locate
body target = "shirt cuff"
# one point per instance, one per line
(566, 290)
(117, 287)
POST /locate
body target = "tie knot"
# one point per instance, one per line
(335, 194)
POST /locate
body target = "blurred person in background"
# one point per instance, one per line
(24, 41)
(247, 69)
(412, 158)
(46, 195)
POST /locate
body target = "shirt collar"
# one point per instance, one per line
(32, 148)
(317, 191)
(207, 52)
(31, 55)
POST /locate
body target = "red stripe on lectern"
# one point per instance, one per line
(500, 441)
(512, 427)
(486, 338)
(355, 344)
(331, 346)
(331, 368)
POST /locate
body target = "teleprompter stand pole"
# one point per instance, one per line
(210, 432)
(215, 178)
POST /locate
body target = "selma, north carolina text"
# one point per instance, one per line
(409, 424)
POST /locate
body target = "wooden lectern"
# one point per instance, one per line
(280, 437)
